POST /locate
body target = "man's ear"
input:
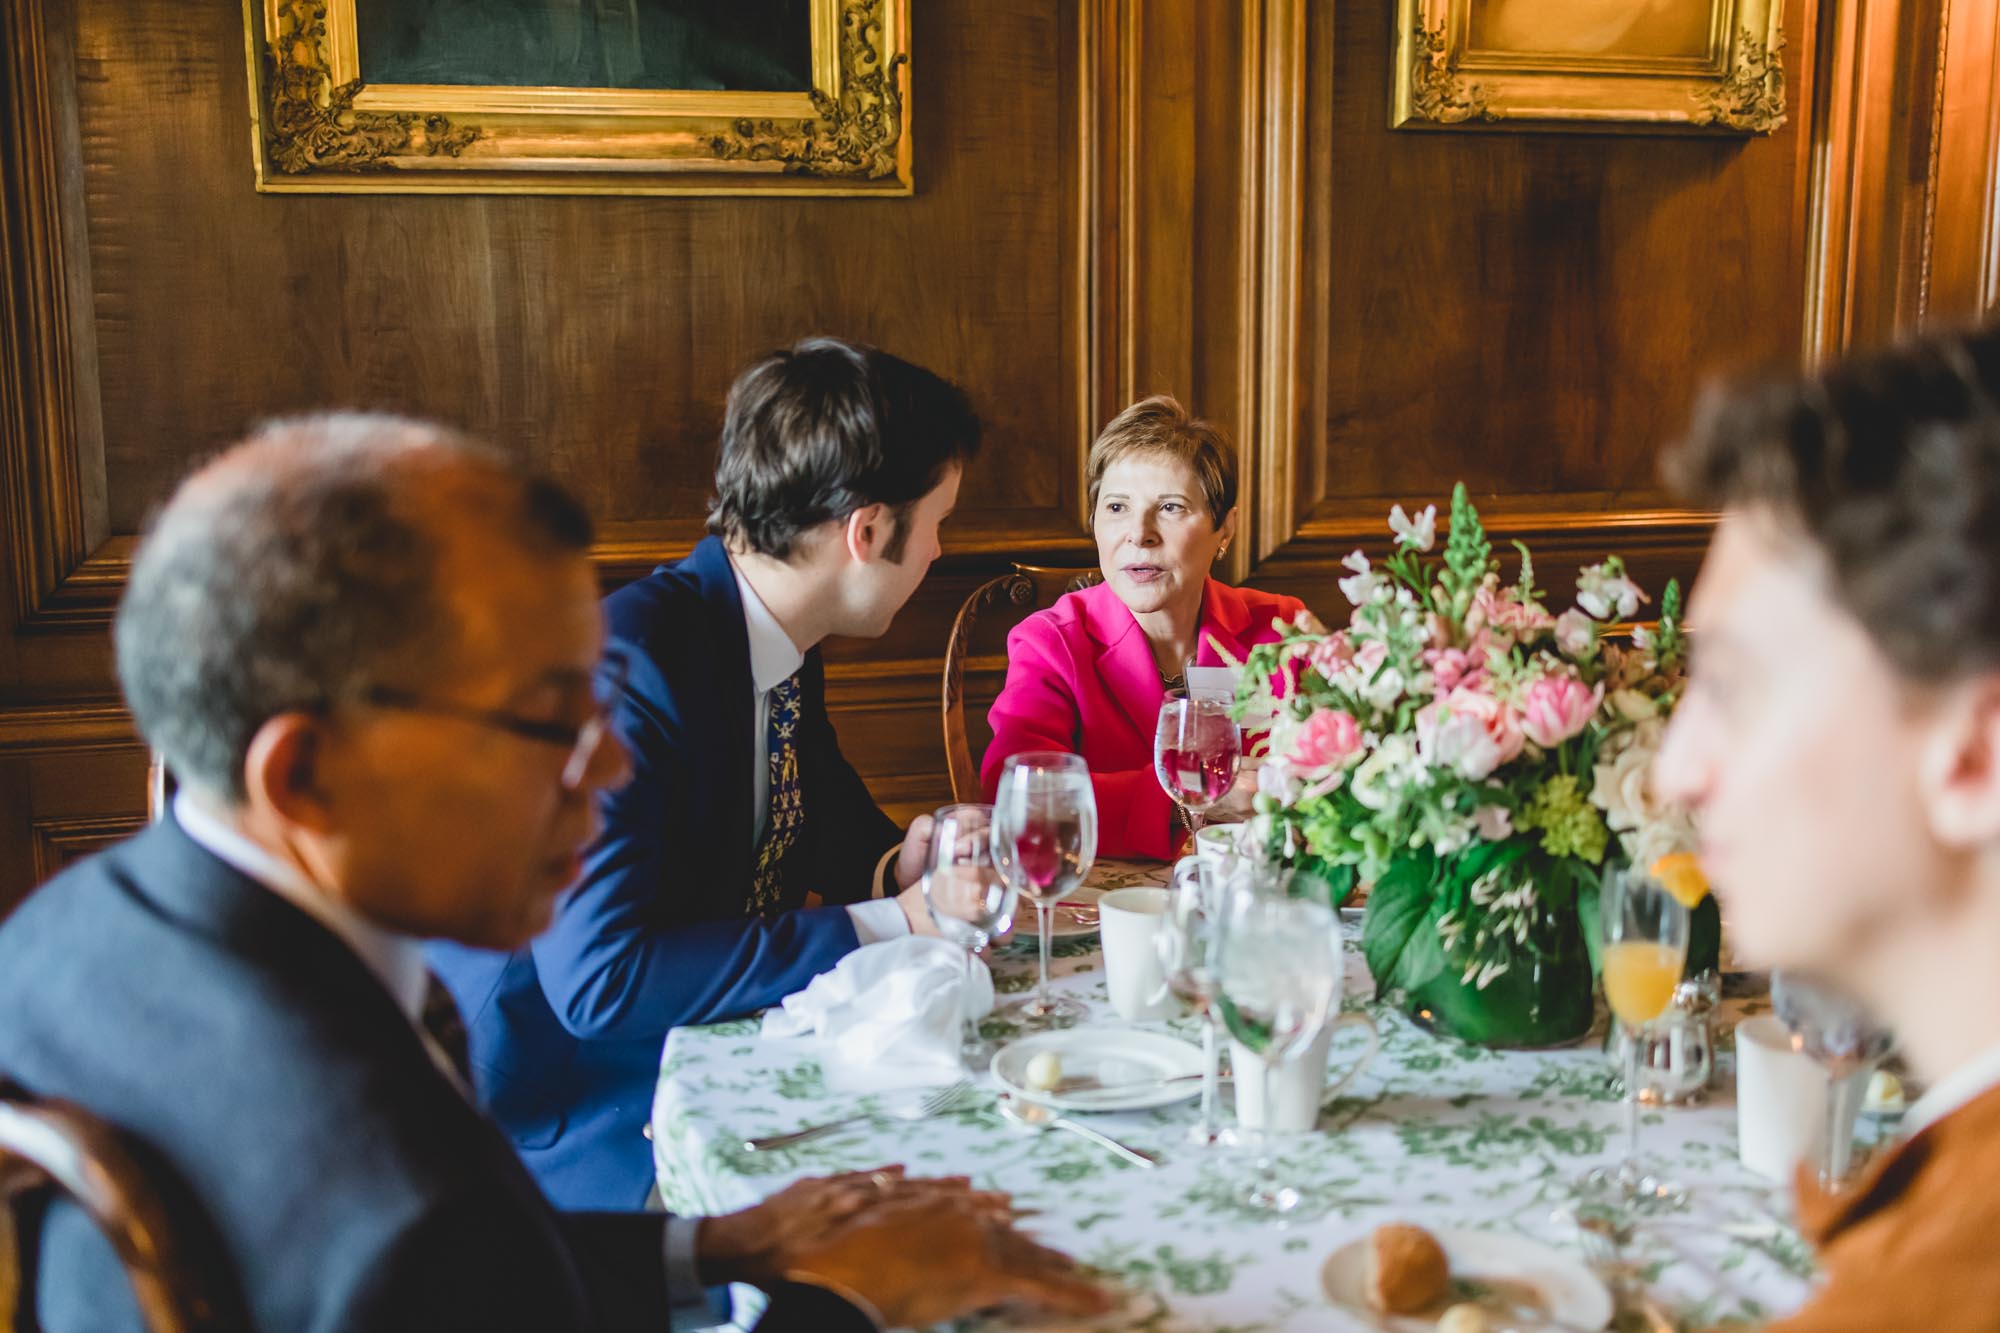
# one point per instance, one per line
(283, 770)
(867, 532)
(1961, 766)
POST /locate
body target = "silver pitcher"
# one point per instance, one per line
(1677, 1049)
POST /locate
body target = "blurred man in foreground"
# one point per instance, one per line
(1839, 743)
(369, 652)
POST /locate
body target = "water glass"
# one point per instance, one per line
(1195, 748)
(1045, 840)
(1187, 942)
(1832, 1029)
(1278, 979)
(970, 898)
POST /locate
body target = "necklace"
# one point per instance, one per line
(1177, 681)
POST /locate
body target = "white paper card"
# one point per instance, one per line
(1217, 683)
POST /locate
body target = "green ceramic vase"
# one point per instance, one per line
(1546, 1003)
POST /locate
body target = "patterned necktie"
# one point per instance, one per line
(785, 808)
(444, 1026)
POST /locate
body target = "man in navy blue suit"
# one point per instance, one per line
(369, 651)
(837, 464)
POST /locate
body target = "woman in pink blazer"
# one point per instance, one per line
(1089, 674)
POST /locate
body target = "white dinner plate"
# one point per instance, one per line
(1104, 1068)
(1514, 1268)
(1075, 915)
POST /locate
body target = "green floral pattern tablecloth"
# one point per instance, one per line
(1437, 1133)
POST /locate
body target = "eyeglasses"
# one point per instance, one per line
(582, 740)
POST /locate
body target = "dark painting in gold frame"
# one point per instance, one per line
(322, 126)
(1615, 65)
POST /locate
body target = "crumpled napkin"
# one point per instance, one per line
(888, 1015)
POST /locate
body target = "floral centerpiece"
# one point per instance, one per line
(1481, 762)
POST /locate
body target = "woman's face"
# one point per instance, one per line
(1155, 540)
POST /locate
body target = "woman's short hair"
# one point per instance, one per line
(1888, 464)
(1160, 425)
(824, 427)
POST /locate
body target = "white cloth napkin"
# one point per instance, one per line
(888, 1015)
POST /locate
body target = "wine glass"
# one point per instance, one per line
(1644, 929)
(1187, 942)
(971, 899)
(1277, 978)
(1195, 748)
(1044, 839)
(1833, 1030)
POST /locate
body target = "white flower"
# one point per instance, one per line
(1379, 780)
(1276, 779)
(1419, 533)
(1621, 785)
(1605, 594)
(1576, 635)
(1669, 831)
(1494, 823)
(1360, 589)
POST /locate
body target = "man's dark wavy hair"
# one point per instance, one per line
(825, 427)
(1889, 464)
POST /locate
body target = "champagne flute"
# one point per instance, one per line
(1195, 748)
(1045, 839)
(1187, 943)
(970, 898)
(1645, 939)
(1278, 977)
(1832, 1029)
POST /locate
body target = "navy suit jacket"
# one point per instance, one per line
(566, 1035)
(295, 1119)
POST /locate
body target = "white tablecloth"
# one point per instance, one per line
(1437, 1133)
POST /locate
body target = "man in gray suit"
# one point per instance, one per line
(369, 651)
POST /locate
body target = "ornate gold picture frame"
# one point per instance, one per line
(1615, 65)
(321, 126)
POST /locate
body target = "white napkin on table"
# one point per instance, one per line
(888, 1015)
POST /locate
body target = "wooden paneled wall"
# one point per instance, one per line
(1113, 197)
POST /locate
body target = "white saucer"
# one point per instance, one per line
(1104, 1068)
(1063, 925)
(1568, 1293)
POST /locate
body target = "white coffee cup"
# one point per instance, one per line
(1298, 1085)
(1215, 847)
(1127, 921)
(1780, 1101)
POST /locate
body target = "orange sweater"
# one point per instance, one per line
(1915, 1242)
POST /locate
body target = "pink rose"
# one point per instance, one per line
(1329, 738)
(1470, 732)
(1556, 708)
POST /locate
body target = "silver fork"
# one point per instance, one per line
(943, 1101)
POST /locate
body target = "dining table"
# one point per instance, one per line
(1435, 1132)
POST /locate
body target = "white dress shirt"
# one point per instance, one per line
(1964, 1085)
(398, 961)
(774, 657)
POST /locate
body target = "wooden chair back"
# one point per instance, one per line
(1020, 592)
(54, 1145)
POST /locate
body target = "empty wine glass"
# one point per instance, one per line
(1645, 939)
(971, 899)
(1278, 975)
(1045, 839)
(1832, 1029)
(1187, 945)
(1195, 748)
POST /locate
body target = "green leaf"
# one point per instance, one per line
(1589, 919)
(1398, 905)
(1423, 956)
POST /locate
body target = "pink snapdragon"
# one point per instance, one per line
(1332, 655)
(1468, 731)
(1555, 708)
(1328, 739)
(1451, 667)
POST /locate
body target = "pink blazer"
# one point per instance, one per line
(1081, 678)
